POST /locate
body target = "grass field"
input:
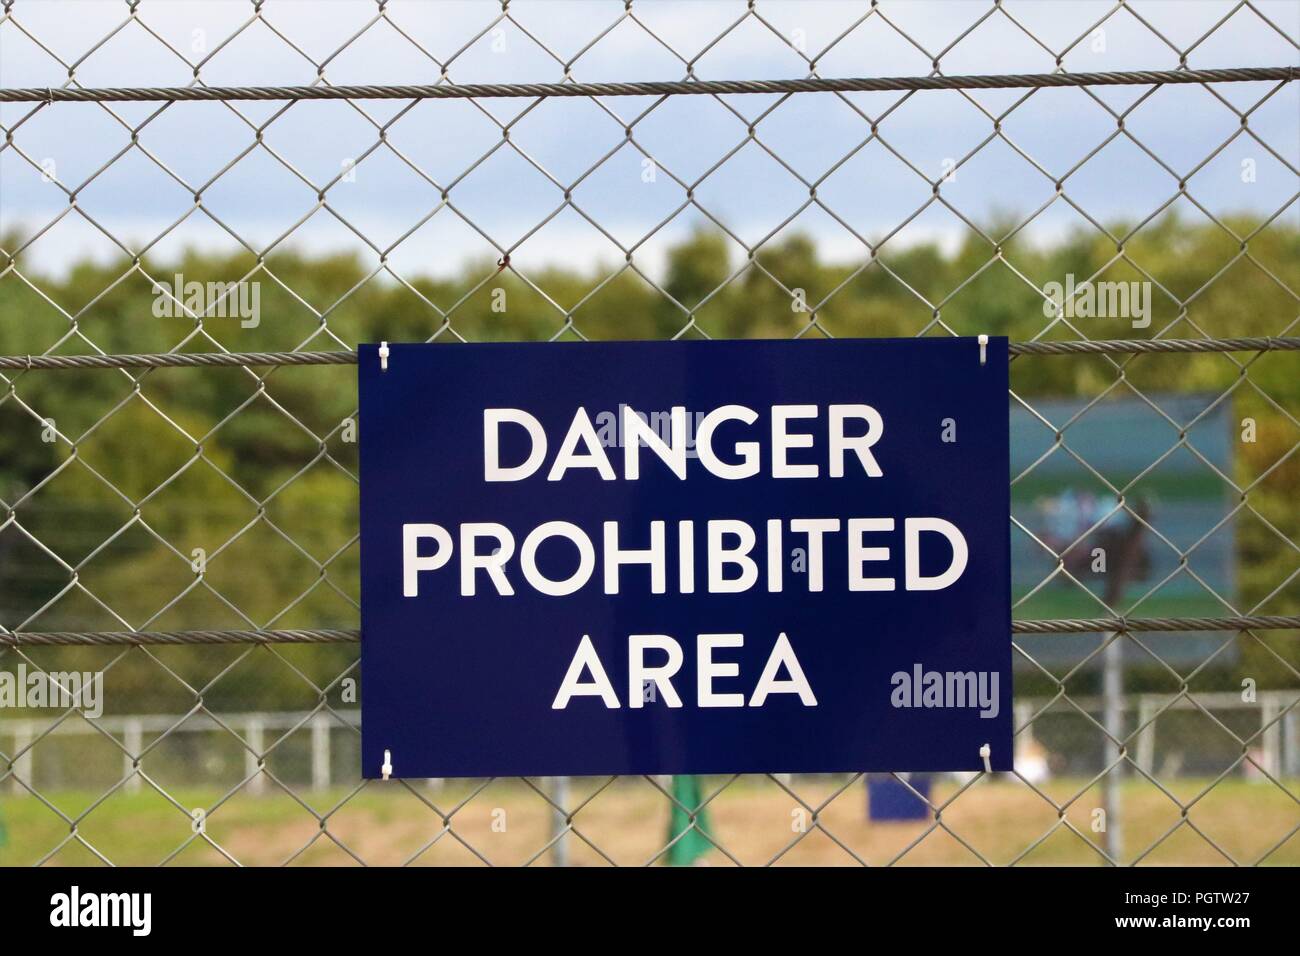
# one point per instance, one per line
(507, 823)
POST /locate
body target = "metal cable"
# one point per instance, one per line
(1096, 624)
(341, 357)
(177, 360)
(104, 638)
(353, 635)
(649, 87)
(1139, 346)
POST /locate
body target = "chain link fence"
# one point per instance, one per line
(178, 475)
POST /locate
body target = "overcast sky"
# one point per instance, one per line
(505, 196)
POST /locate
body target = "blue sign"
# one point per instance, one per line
(685, 557)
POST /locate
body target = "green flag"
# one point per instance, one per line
(693, 845)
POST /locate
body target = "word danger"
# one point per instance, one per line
(732, 559)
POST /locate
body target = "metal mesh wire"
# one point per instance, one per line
(250, 768)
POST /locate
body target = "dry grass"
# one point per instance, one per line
(753, 818)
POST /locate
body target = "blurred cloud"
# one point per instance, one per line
(499, 192)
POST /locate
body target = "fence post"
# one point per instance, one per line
(133, 741)
(1022, 730)
(1291, 743)
(23, 766)
(1146, 742)
(1113, 720)
(320, 752)
(252, 755)
(560, 794)
(1270, 739)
